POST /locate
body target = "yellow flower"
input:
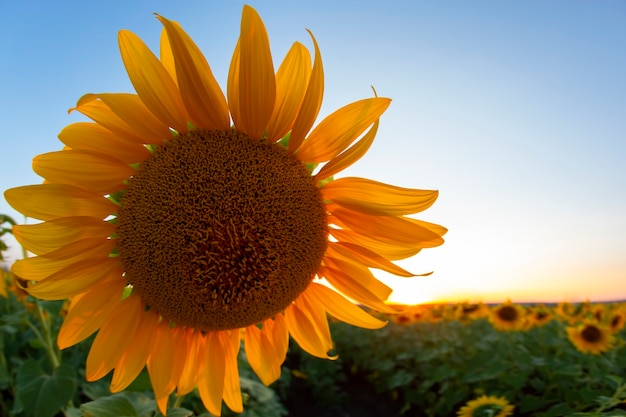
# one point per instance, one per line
(182, 221)
(5, 276)
(591, 337)
(508, 317)
(466, 312)
(486, 406)
(617, 319)
(538, 316)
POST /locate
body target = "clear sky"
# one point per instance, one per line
(514, 110)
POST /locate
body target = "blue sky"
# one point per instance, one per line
(515, 111)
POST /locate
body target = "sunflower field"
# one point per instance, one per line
(430, 360)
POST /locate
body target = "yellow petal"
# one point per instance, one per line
(51, 201)
(350, 156)
(356, 253)
(211, 382)
(189, 374)
(93, 137)
(200, 91)
(303, 330)
(292, 79)
(390, 229)
(112, 339)
(76, 279)
(152, 82)
(361, 274)
(377, 198)
(388, 250)
(318, 316)
(261, 355)
(279, 337)
(166, 56)
(232, 389)
(232, 86)
(134, 358)
(100, 113)
(47, 236)
(88, 311)
(88, 170)
(338, 130)
(340, 308)
(39, 267)
(160, 365)
(257, 83)
(311, 103)
(352, 288)
(132, 110)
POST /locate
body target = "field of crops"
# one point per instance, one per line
(439, 360)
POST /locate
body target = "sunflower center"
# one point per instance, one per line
(591, 334)
(507, 313)
(218, 231)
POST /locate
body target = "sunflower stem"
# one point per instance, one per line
(178, 401)
(46, 337)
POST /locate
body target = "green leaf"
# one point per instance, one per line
(179, 412)
(44, 395)
(112, 406)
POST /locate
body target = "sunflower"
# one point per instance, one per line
(538, 316)
(5, 276)
(591, 337)
(486, 406)
(181, 221)
(508, 316)
(466, 312)
(617, 319)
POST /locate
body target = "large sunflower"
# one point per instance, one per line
(181, 222)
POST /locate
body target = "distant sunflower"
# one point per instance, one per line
(508, 316)
(486, 406)
(591, 337)
(538, 316)
(182, 221)
(466, 312)
(617, 319)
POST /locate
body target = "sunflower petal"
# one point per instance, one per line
(280, 337)
(338, 130)
(257, 83)
(88, 170)
(47, 236)
(391, 229)
(200, 91)
(153, 83)
(100, 113)
(311, 103)
(388, 250)
(302, 328)
(260, 354)
(51, 201)
(166, 56)
(361, 274)
(352, 288)
(211, 382)
(232, 86)
(189, 374)
(232, 389)
(93, 137)
(88, 311)
(377, 198)
(132, 110)
(365, 256)
(350, 156)
(76, 278)
(112, 339)
(39, 267)
(160, 365)
(134, 358)
(342, 309)
(292, 79)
